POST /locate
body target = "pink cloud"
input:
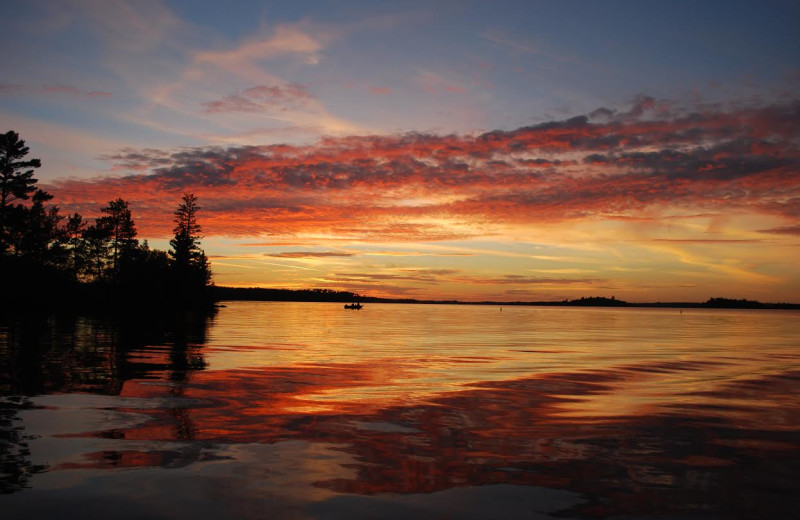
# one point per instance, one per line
(14, 89)
(262, 98)
(285, 40)
(62, 89)
(380, 90)
(454, 89)
(435, 84)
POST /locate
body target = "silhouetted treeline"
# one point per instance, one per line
(285, 295)
(731, 303)
(56, 261)
(598, 301)
(327, 295)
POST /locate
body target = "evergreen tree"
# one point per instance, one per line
(119, 226)
(189, 261)
(40, 238)
(96, 248)
(185, 243)
(16, 180)
(147, 275)
(75, 244)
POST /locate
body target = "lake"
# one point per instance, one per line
(308, 410)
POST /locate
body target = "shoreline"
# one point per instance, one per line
(309, 295)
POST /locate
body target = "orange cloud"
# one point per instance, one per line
(788, 230)
(443, 187)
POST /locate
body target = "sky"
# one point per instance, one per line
(499, 151)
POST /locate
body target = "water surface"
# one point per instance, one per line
(307, 410)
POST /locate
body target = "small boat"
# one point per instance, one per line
(353, 306)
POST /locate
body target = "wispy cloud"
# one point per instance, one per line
(309, 254)
(290, 266)
(709, 241)
(415, 253)
(249, 61)
(525, 280)
(785, 230)
(68, 90)
(435, 83)
(219, 91)
(127, 25)
(523, 45)
(262, 98)
(285, 39)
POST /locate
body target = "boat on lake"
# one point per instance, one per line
(353, 306)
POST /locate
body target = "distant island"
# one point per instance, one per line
(327, 295)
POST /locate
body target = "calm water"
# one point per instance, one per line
(306, 410)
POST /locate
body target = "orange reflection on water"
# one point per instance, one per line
(636, 410)
(418, 352)
(269, 361)
(502, 432)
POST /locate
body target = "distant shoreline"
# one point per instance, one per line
(323, 295)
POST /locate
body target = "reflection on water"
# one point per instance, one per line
(302, 410)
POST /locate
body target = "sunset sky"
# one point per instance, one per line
(473, 150)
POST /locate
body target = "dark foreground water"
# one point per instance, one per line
(307, 410)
